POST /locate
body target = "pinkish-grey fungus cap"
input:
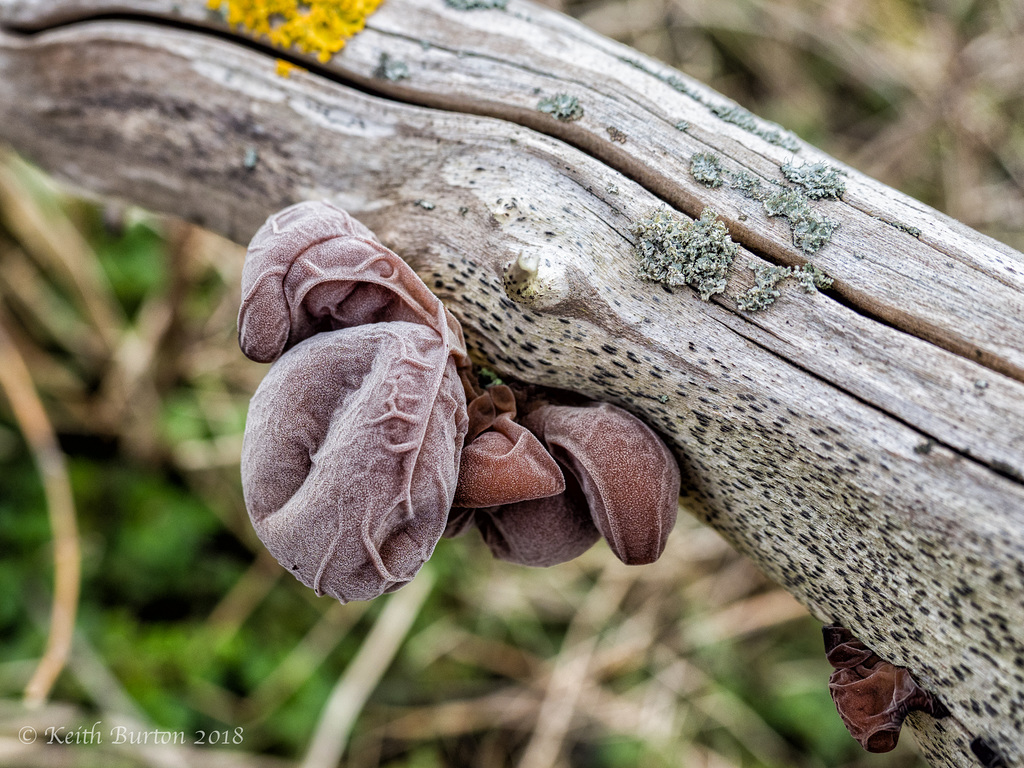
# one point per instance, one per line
(352, 445)
(628, 476)
(600, 471)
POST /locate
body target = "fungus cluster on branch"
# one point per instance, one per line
(370, 436)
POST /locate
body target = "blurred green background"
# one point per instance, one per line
(126, 323)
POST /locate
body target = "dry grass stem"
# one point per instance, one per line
(510, 708)
(16, 383)
(305, 658)
(238, 604)
(365, 671)
(60, 248)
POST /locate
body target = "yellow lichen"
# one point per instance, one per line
(285, 68)
(311, 26)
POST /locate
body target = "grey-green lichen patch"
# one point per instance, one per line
(677, 252)
(821, 180)
(561, 106)
(737, 115)
(910, 230)
(731, 113)
(477, 5)
(252, 157)
(747, 184)
(682, 125)
(810, 231)
(671, 80)
(391, 69)
(811, 278)
(765, 290)
(791, 203)
(706, 168)
(424, 204)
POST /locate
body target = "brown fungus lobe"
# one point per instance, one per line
(502, 461)
(873, 697)
(628, 476)
(618, 479)
(352, 444)
(514, 492)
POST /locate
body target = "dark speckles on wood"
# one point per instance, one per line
(782, 480)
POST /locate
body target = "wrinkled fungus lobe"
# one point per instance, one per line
(352, 444)
(359, 440)
(873, 696)
(514, 492)
(503, 462)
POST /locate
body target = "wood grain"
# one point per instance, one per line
(863, 446)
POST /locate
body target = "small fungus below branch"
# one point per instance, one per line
(514, 492)
(503, 462)
(627, 474)
(614, 476)
(873, 697)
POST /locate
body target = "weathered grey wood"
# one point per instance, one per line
(501, 63)
(853, 459)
